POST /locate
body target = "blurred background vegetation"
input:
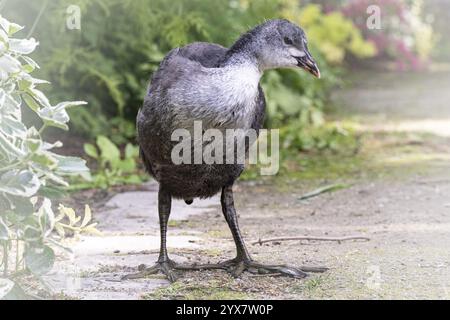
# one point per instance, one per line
(109, 62)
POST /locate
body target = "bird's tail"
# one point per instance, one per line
(146, 163)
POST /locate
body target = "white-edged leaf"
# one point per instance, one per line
(9, 27)
(10, 149)
(70, 214)
(19, 183)
(30, 62)
(39, 260)
(70, 165)
(46, 217)
(4, 24)
(69, 104)
(31, 103)
(87, 216)
(4, 230)
(4, 39)
(9, 64)
(23, 46)
(52, 176)
(14, 28)
(12, 127)
(40, 97)
(92, 229)
(11, 106)
(54, 117)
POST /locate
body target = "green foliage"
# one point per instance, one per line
(112, 168)
(332, 34)
(331, 137)
(293, 93)
(121, 43)
(29, 168)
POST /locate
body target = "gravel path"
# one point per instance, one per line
(405, 212)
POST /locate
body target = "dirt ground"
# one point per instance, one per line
(398, 196)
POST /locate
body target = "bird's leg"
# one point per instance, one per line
(164, 264)
(243, 261)
(234, 265)
(230, 215)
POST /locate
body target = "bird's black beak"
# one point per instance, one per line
(307, 62)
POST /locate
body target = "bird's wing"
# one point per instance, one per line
(208, 55)
(260, 112)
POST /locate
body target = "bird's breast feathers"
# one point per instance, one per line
(217, 96)
(241, 85)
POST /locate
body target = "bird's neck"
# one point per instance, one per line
(241, 58)
(239, 91)
(243, 54)
(243, 68)
(241, 75)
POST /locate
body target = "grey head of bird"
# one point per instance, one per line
(276, 43)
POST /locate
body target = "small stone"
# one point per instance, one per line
(141, 267)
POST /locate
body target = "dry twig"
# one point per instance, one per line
(338, 239)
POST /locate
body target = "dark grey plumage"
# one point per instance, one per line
(219, 87)
(185, 181)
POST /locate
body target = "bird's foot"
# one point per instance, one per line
(165, 267)
(237, 266)
(278, 270)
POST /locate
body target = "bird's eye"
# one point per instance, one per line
(288, 41)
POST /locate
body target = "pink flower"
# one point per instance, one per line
(389, 40)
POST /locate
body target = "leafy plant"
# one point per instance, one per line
(330, 137)
(292, 94)
(332, 34)
(112, 168)
(122, 42)
(69, 220)
(30, 171)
